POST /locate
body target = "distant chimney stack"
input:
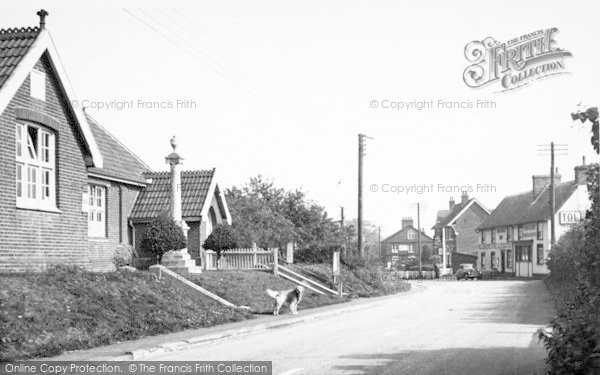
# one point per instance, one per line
(42, 13)
(451, 203)
(464, 197)
(581, 173)
(542, 181)
(407, 222)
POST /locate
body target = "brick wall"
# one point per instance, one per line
(468, 238)
(119, 202)
(34, 239)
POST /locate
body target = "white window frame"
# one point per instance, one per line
(395, 248)
(37, 84)
(96, 210)
(35, 171)
(411, 234)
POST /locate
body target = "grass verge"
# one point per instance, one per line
(367, 281)
(65, 308)
(248, 288)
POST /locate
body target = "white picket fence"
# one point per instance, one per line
(241, 259)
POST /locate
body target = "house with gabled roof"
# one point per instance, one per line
(516, 237)
(402, 247)
(455, 228)
(67, 185)
(203, 206)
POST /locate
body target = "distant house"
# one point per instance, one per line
(203, 206)
(68, 186)
(458, 225)
(402, 246)
(516, 237)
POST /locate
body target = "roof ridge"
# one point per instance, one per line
(20, 30)
(87, 115)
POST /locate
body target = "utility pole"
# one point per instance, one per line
(379, 242)
(554, 150)
(361, 153)
(419, 206)
(552, 197)
(419, 237)
(343, 231)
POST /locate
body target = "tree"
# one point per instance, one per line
(426, 253)
(222, 238)
(163, 234)
(272, 216)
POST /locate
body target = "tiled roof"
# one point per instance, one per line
(14, 44)
(450, 215)
(119, 162)
(156, 198)
(523, 208)
(403, 238)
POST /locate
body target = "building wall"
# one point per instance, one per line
(29, 239)
(468, 238)
(119, 202)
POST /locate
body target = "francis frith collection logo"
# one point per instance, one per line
(514, 63)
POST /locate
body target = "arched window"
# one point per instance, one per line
(211, 221)
(35, 166)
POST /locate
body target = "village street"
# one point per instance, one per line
(453, 327)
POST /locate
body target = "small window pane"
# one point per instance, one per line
(19, 139)
(19, 180)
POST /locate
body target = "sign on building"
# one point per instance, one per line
(569, 217)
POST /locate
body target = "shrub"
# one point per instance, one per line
(123, 255)
(220, 239)
(163, 234)
(564, 255)
(315, 253)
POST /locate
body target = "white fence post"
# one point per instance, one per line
(276, 261)
(289, 256)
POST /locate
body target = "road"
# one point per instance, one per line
(452, 327)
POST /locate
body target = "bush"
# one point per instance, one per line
(220, 239)
(123, 255)
(564, 255)
(315, 254)
(163, 234)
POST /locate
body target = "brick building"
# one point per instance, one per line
(456, 228)
(402, 247)
(67, 186)
(203, 206)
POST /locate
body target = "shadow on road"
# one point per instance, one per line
(459, 361)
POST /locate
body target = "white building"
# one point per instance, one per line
(515, 238)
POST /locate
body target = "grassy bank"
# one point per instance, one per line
(362, 282)
(248, 288)
(45, 314)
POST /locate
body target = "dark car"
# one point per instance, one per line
(467, 271)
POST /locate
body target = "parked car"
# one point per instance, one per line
(467, 271)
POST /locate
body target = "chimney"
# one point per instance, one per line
(174, 160)
(407, 221)
(451, 203)
(542, 181)
(42, 13)
(464, 197)
(581, 173)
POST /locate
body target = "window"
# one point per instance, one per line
(520, 232)
(482, 236)
(482, 261)
(509, 234)
(540, 231)
(410, 248)
(494, 235)
(37, 84)
(410, 234)
(394, 248)
(96, 211)
(508, 258)
(35, 167)
(523, 253)
(540, 254)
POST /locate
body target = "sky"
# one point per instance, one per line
(283, 88)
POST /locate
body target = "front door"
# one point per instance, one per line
(502, 260)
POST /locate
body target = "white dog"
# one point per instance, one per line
(291, 296)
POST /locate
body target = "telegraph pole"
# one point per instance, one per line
(552, 197)
(419, 237)
(554, 149)
(361, 153)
